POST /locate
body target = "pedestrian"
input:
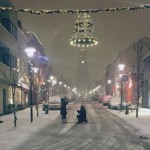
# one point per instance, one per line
(63, 111)
(82, 114)
(66, 100)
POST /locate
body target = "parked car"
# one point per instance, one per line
(101, 97)
(95, 97)
(106, 100)
(114, 103)
(54, 102)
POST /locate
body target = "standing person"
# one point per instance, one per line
(66, 100)
(63, 110)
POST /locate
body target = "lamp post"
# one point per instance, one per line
(109, 87)
(35, 69)
(14, 86)
(121, 68)
(30, 52)
(51, 80)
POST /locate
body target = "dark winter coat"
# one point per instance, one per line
(63, 110)
(82, 113)
(64, 102)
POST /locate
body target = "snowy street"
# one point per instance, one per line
(103, 130)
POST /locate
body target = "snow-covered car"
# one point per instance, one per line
(54, 102)
(114, 103)
(106, 100)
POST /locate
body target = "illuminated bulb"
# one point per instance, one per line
(30, 51)
(60, 82)
(35, 69)
(109, 81)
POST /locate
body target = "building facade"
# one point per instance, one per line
(82, 78)
(134, 76)
(14, 81)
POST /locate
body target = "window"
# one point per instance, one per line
(6, 59)
(13, 62)
(5, 23)
(18, 64)
(11, 28)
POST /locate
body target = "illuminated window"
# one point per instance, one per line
(18, 64)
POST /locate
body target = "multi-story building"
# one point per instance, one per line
(9, 54)
(14, 81)
(82, 78)
(135, 58)
(40, 62)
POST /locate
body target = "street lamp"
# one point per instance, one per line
(35, 69)
(52, 82)
(51, 78)
(121, 68)
(109, 81)
(60, 83)
(108, 87)
(30, 52)
(38, 88)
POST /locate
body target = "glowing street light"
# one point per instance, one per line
(35, 69)
(121, 68)
(51, 78)
(60, 83)
(30, 51)
(109, 81)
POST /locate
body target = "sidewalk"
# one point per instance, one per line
(23, 119)
(11, 136)
(142, 123)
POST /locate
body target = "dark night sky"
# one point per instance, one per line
(115, 32)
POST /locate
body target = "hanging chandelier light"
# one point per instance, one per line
(83, 35)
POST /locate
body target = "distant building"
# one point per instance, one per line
(82, 78)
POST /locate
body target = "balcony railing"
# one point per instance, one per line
(6, 39)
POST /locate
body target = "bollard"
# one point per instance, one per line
(43, 107)
(127, 110)
(46, 108)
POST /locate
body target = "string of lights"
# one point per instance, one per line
(73, 11)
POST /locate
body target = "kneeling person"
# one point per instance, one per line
(81, 115)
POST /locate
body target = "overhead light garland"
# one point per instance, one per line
(83, 35)
(73, 11)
